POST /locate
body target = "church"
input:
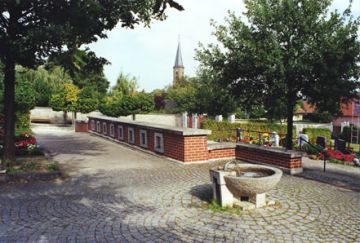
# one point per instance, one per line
(178, 69)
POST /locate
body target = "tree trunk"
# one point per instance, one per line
(290, 123)
(65, 117)
(133, 117)
(9, 110)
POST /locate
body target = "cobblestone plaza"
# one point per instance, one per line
(116, 194)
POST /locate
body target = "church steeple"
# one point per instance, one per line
(178, 69)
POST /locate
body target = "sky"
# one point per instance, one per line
(149, 53)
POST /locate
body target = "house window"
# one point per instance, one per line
(104, 128)
(143, 138)
(159, 142)
(131, 137)
(92, 125)
(98, 127)
(120, 132)
(112, 132)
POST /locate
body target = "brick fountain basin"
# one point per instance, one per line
(243, 182)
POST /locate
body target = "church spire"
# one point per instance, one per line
(178, 69)
(178, 58)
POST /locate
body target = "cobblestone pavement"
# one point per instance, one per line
(130, 196)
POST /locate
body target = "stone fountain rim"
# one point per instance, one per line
(276, 171)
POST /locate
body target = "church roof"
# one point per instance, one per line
(178, 59)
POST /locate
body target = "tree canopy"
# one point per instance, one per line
(123, 99)
(32, 30)
(288, 49)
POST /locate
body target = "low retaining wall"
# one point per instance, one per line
(81, 126)
(289, 160)
(187, 144)
(183, 144)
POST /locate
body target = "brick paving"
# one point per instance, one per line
(116, 194)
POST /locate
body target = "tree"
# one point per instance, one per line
(84, 68)
(139, 103)
(288, 48)
(125, 85)
(32, 30)
(64, 98)
(88, 100)
(133, 104)
(184, 97)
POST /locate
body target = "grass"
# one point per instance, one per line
(20, 130)
(216, 208)
(53, 167)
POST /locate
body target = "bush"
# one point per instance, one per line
(312, 149)
(226, 130)
(317, 132)
(22, 119)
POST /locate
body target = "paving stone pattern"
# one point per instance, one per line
(117, 194)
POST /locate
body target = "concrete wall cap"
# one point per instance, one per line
(214, 146)
(270, 150)
(156, 127)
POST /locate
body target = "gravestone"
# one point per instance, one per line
(321, 141)
(219, 118)
(195, 121)
(340, 145)
(275, 139)
(231, 118)
(184, 119)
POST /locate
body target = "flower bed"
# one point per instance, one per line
(25, 144)
(338, 157)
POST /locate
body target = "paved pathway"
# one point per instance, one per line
(117, 194)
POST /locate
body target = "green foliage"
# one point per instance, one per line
(23, 119)
(64, 98)
(317, 132)
(225, 130)
(272, 58)
(14, 171)
(216, 208)
(184, 97)
(137, 104)
(320, 117)
(31, 31)
(25, 96)
(201, 95)
(129, 104)
(88, 100)
(125, 85)
(312, 149)
(84, 68)
(53, 167)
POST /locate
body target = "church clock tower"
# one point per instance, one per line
(178, 69)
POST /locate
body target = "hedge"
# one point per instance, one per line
(225, 130)
(317, 132)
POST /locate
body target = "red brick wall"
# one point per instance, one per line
(255, 155)
(221, 153)
(81, 127)
(195, 148)
(174, 146)
(182, 148)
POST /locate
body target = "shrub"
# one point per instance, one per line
(317, 132)
(22, 119)
(225, 130)
(312, 149)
